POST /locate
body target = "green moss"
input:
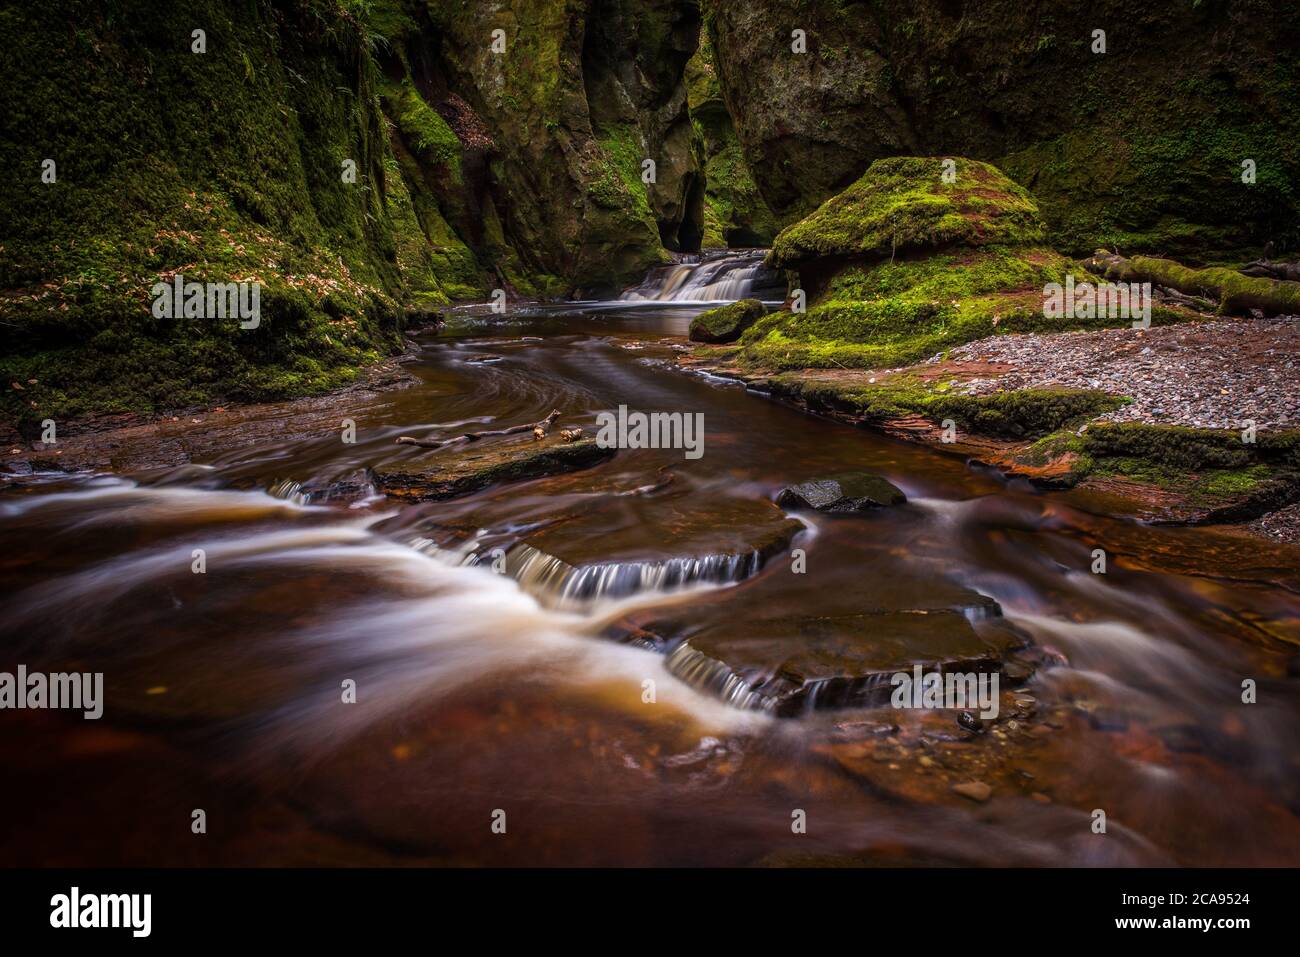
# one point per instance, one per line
(1170, 188)
(891, 314)
(1193, 450)
(426, 133)
(435, 262)
(1022, 414)
(902, 204)
(1234, 292)
(224, 166)
(726, 323)
(735, 212)
(617, 183)
(1209, 467)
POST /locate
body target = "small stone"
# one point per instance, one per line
(976, 791)
(970, 721)
(1040, 797)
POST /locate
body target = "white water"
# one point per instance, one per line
(720, 279)
(421, 629)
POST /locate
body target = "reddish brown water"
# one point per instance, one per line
(479, 691)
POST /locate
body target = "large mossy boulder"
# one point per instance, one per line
(1139, 146)
(726, 323)
(918, 255)
(909, 204)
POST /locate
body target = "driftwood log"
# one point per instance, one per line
(539, 430)
(1264, 266)
(1227, 289)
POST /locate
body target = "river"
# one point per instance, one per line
(609, 694)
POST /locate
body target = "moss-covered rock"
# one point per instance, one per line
(583, 95)
(1193, 450)
(1021, 414)
(726, 323)
(905, 264)
(1215, 474)
(908, 204)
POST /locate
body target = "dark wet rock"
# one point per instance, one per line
(423, 316)
(726, 323)
(970, 721)
(357, 485)
(1185, 738)
(853, 730)
(850, 492)
(449, 473)
(1108, 719)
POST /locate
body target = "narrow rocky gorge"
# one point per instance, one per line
(642, 393)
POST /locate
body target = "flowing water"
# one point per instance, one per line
(711, 278)
(624, 659)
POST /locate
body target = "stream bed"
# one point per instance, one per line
(640, 663)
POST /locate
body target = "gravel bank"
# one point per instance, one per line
(1212, 374)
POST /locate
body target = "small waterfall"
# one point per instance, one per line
(289, 490)
(724, 277)
(550, 577)
(708, 674)
(355, 487)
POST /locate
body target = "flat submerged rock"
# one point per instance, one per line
(844, 654)
(452, 472)
(634, 545)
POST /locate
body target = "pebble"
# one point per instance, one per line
(975, 790)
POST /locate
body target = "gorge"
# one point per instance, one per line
(883, 452)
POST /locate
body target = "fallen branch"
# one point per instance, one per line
(1271, 270)
(1264, 266)
(1229, 289)
(1193, 302)
(539, 430)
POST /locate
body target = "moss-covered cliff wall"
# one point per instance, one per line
(1140, 146)
(735, 213)
(481, 160)
(219, 165)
